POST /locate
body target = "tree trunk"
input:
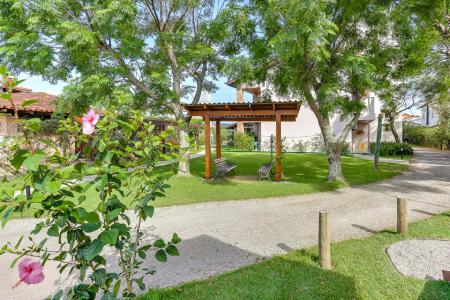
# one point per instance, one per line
(394, 130)
(334, 144)
(376, 159)
(334, 162)
(183, 138)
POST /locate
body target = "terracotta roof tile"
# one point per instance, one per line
(45, 102)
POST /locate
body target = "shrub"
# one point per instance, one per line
(57, 189)
(421, 135)
(391, 148)
(244, 141)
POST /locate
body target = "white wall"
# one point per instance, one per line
(433, 117)
(306, 128)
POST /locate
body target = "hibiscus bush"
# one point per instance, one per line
(70, 233)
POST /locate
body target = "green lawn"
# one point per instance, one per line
(405, 157)
(361, 270)
(303, 173)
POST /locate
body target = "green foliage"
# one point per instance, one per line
(162, 52)
(322, 52)
(391, 148)
(59, 189)
(420, 135)
(243, 141)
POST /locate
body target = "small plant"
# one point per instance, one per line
(123, 198)
(392, 148)
(244, 141)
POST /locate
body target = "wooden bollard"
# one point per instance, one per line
(402, 215)
(324, 240)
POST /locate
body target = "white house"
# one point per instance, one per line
(304, 134)
(430, 116)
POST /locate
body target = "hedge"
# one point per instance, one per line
(391, 148)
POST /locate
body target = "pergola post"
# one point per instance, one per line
(207, 148)
(278, 147)
(218, 141)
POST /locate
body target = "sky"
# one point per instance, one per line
(37, 84)
(223, 94)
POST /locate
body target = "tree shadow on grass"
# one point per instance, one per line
(282, 277)
(435, 289)
(292, 276)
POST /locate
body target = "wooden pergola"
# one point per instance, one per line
(243, 112)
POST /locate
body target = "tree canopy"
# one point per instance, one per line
(161, 50)
(324, 52)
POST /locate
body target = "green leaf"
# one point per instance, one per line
(125, 124)
(83, 269)
(176, 239)
(99, 276)
(91, 217)
(53, 186)
(37, 196)
(161, 255)
(149, 211)
(28, 102)
(159, 243)
(113, 214)
(53, 230)
(14, 261)
(7, 216)
(58, 295)
(17, 245)
(38, 228)
(18, 158)
(32, 162)
(108, 296)
(116, 288)
(101, 182)
(92, 250)
(91, 227)
(172, 250)
(142, 254)
(3, 70)
(109, 237)
(33, 124)
(81, 199)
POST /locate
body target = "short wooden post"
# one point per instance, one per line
(207, 148)
(218, 141)
(28, 192)
(278, 147)
(402, 215)
(324, 241)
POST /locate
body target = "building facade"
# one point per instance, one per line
(43, 108)
(430, 116)
(305, 134)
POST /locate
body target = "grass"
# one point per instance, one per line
(405, 157)
(361, 270)
(303, 173)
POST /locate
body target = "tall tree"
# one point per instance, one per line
(159, 51)
(323, 52)
(399, 96)
(425, 25)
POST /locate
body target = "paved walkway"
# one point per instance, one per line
(222, 236)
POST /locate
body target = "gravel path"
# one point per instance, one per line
(423, 259)
(222, 236)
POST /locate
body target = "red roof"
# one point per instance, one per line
(45, 102)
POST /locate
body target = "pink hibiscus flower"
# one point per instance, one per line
(89, 121)
(30, 272)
